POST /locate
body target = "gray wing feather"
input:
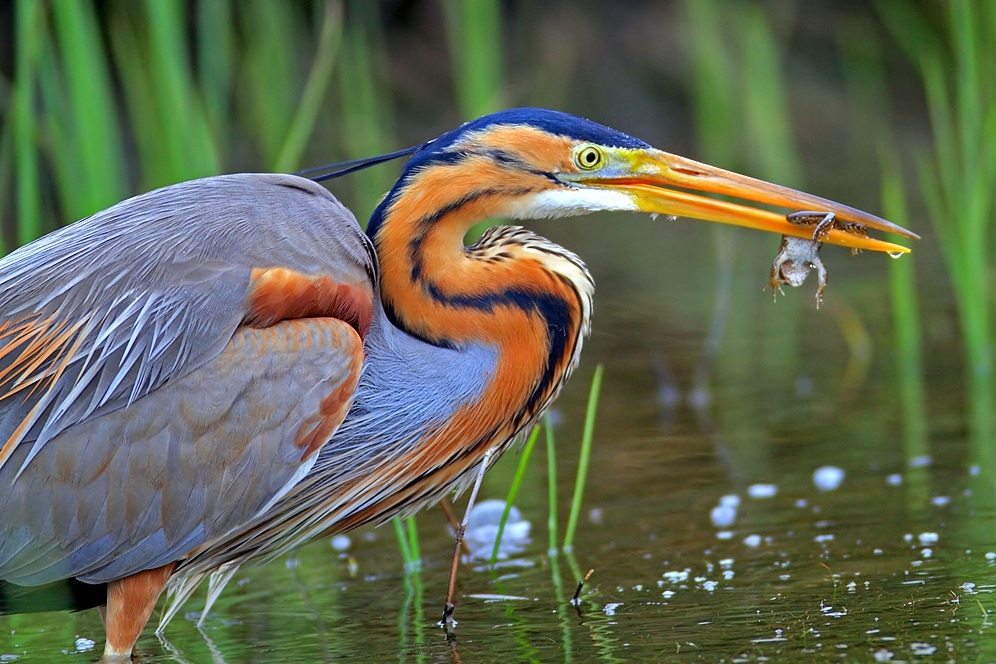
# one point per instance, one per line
(136, 418)
(151, 289)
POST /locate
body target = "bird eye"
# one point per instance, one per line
(589, 158)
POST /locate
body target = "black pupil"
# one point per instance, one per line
(590, 158)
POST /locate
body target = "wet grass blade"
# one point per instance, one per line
(407, 536)
(513, 490)
(584, 459)
(551, 483)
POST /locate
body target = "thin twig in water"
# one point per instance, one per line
(576, 600)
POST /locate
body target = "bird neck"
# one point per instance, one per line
(512, 290)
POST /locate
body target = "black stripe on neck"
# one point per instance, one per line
(555, 311)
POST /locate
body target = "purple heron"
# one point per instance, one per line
(222, 370)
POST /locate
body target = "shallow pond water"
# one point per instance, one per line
(711, 392)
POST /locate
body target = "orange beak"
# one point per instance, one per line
(659, 182)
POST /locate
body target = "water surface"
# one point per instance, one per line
(895, 564)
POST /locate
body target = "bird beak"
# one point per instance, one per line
(654, 176)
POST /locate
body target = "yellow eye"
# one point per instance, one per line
(589, 158)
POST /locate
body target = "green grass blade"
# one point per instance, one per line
(714, 82)
(769, 125)
(29, 19)
(365, 119)
(187, 139)
(310, 104)
(98, 178)
(957, 184)
(914, 33)
(411, 532)
(585, 457)
(474, 31)
(270, 72)
(551, 483)
(513, 490)
(401, 534)
(906, 323)
(215, 65)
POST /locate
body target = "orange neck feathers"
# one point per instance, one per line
(512, 290)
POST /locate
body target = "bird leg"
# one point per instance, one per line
(449, 607)
(130, 602)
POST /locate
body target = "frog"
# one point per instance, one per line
(797, 256)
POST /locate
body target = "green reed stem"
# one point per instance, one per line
(310, 104)
(958, 186)
(404, 533)
(513, 490)
(906, 324)
(551, 483)
(94, 146)
(714, 97)
(216, 57)
(366, 116)
(271, 70)
(187, 138)
(868, 90)
(411, 530)
(766, 102)
(584, 459)
(474, 31)
(958, 180)
(29, 19)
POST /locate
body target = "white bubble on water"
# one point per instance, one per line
(723, 516)
(730, 500)
(828, 478)
(762, 490)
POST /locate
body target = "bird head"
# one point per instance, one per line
(533, 163)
